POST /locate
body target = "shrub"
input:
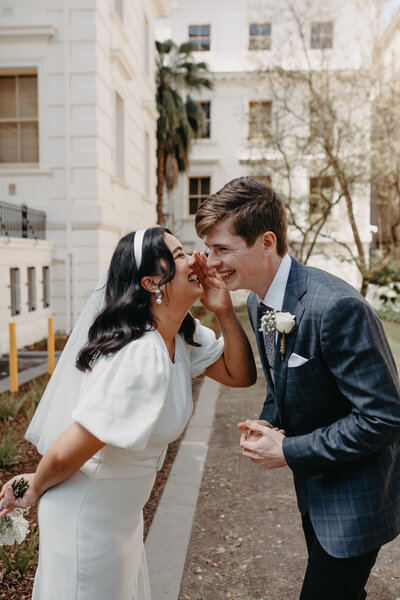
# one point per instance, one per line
(22, 555)
(9, 451)
(34, 395)
(10, 405)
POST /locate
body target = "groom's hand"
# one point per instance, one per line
(263, 445)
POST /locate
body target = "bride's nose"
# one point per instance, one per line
(190, 260)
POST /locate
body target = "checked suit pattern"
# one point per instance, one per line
(340, 410)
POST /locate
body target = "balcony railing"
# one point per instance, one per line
(22, 222)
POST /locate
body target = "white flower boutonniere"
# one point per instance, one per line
(282, 322)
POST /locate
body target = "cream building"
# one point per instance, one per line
(237, 38)
(77, 142)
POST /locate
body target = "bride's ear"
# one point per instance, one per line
(149, 284)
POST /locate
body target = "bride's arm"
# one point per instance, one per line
(236, 367)
(68, 453)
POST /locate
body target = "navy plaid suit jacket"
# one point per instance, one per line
(340, 410)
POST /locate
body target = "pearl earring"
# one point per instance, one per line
(159, 296)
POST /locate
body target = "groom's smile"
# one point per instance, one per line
(237, 263)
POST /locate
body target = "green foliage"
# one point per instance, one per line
(205, 316)
(9, 452)
(391, 273)
(10, 405)
(33, 397)
(389, 313)
(22, 555)
(180, 117)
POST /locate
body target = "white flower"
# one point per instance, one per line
(281, 322)
(13, 528)
(284, 322)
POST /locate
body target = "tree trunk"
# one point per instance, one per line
(160, 182)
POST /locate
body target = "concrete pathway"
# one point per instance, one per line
(169, 535)
(27, 374)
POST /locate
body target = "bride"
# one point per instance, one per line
(103, 427)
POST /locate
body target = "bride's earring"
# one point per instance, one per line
(159, 296)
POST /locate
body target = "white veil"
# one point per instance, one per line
(53, 414)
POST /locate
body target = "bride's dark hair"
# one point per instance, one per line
(127, 311)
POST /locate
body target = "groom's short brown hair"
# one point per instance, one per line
(250, 206)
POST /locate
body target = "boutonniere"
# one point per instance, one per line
(282, 322)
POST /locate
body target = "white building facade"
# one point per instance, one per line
(77, 141)
(238, 38)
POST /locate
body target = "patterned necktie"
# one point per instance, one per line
(269, 340)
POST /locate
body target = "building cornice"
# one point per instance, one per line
(162, 8)
(45, 32)
(391, 29)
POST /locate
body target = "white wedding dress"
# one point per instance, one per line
(91, 525)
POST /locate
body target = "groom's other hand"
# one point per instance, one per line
(262, 444)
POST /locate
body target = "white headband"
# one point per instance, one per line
(138, 247)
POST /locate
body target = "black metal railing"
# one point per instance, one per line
(22, 222)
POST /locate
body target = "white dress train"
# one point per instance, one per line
(91, 525)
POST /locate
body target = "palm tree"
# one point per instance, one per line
(180, 117)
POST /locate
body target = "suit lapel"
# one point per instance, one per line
(295, 289)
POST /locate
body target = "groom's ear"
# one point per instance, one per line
(269, 242)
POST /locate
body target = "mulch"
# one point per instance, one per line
(14, 586)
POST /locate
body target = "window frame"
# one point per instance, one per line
(46, 286)
(207, 121)
(321, 37)
(199, 196)
(256, 37)
(15, 291)
(318, 197)
(199, 39)
(17, 73)
(120, 138)
(31, 285)
(258, 121)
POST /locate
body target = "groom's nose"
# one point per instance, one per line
(212, 259)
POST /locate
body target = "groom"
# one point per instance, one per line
(332, 387)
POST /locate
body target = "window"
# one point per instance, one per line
(146, 42)
(260, 36)
(119, 9)
(200, 36)
(147, 167)
(321, 193)
(31, 288)
(321, 120)
(15, 292)
(19, 139)
(46, 286)
(199, 190)
(259, 118)
(322, 35)
(119, 138)
(206, 130)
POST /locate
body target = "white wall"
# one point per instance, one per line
(84, 55)
(23, 253)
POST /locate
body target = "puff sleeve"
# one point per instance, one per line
(122, 397)
(208, 353)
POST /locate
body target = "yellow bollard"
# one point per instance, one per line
(13, 359)
(51, 346)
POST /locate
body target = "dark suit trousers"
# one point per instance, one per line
(329, 578)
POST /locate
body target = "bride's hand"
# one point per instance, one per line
(216, 297)
(7, 499)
